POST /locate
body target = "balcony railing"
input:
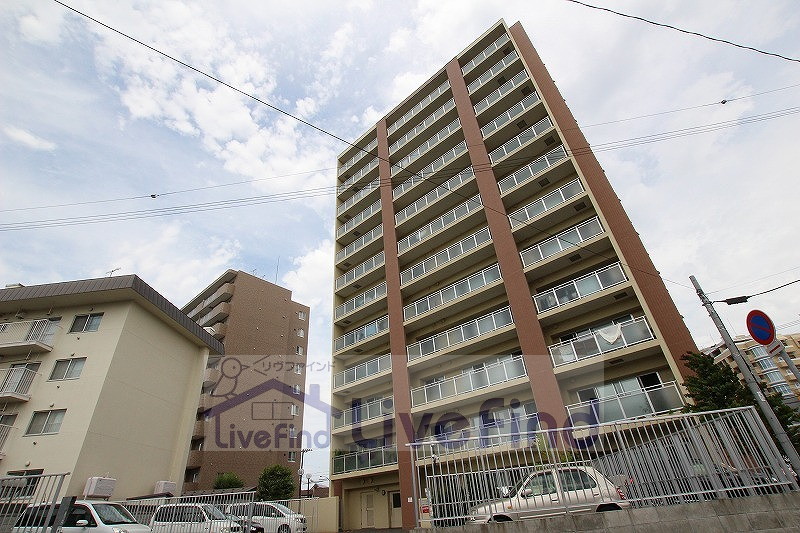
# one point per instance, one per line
(368, 188)
(445, 256)
(28, 332)
(359, 243)
(458, 289)
(365, 459)
(358, 219)
(562, 241)
(507, 116)
(362, 371)
(530, 170)
(358, 176)
(361, 333)
(608, 339)
(545, 203)
(427, 145)
(581, 287)
(358, 156)
(366, 297)
(365, 412)
(470, 381)
(223, 293)
(493, 71)
(442, 190)
(5, 429)
(422, 126)
(219, 312)
(653, 400)
(501, 91)
(422, 104)
(427, 172)
(439, 223)
(464, 332)
(15, 382)
(520, 140)
(486, 52)
(359, 270)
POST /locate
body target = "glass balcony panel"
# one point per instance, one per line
(566, 294)
(470, 330)
(569, 238)
(440, 342)
(530, 256)
(535, 210)
(572, 189)
(611, 276)
(634, 332)
(448, 294)
(590, 229)
(587, 285)
(414, 351)
(610, 410)
(426, 346)
(455, 336)
(502, 317)
(448, 388)
(545, 301)
(485, 324)
(433, 392)
(515, 368)
(608, 343)
(635, 405)
(550, 247)
(417, 396)
(665, 399)
(462, 288)
(495, 374)
(492, 275)
(585, 346)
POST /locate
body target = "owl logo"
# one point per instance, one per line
(231, 368)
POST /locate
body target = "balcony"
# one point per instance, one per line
(546, 204)
(199, 429)
(493, 71)
(357, 197)
(195, 459)
(360, 243)
(419, 106)
(223, 294)
(514, 111)
(211, 376)
(359, 273)
(218, 313)
(357, 177)
(495, 96)
(365, 459)
(418, 242)
(415, 154)
(520, 140)
(452, 292)
(648, 401)
(351, 224)
(362, 371)
(218, 330)
(368, 412)
(361, 334)
(581, 287)
(360, 154)
(439, 192)
(456, 153)
(422, 126)
(562, 241)
(486, 52)
(606, 340)
(467, 331)
(471, 381)
(531, 170)
(359, 302)
(5, 430)
(27, 336)
(16, 384)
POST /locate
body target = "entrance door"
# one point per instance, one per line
(395, 511)
(367, 509)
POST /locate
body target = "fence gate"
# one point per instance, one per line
(37, 494)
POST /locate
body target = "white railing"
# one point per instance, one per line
(493, 71)
(16, 380)
(368, 411)
(358, 176)
(442, 190)
(360, 242)
(431, 169)
(366, 297)
(486, 52)
(358, 219)
(580, 287)
(422, 126)
(359, 270)
(452, 292)
(507, 116)
(368, 188)
(521, 139)
(546, 203)
(440, 223)
(445, 256)
(376, 327)
(5, 429)
(529, 171)
(365, 459)
(566, 239)
(427, 145)
(469, 381)
(608, 339)
(653, 400)
(504, 422)
(27, 331)
(501, 91)
(362, 371)
(422, 104)
(463, 332)
(358, 156)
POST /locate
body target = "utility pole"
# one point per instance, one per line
(749, 378)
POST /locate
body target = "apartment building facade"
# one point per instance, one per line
(250, 409)
(98, 378)
(485, 271)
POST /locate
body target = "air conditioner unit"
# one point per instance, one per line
(165, 486)
(99, 487)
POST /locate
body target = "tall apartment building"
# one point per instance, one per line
(770, 369)
(482, 255)
(98, 377)
(250, 413)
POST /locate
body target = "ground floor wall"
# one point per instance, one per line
(371, 502)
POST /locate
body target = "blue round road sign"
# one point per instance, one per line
(760, 327)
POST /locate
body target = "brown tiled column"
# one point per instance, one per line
(531, 339)
(631, 250)
(397, 336)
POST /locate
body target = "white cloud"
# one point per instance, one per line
(28, 139)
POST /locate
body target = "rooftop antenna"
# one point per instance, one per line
(110, 272)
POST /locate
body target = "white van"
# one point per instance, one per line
(100, 516)
(192, 518)
(274, 517)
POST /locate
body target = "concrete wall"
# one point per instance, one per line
(776, 512)
(327, 513)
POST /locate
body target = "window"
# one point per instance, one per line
(301, 315)
(298, 350)
(296, 389)
(292, 432)
(540, 484)
(576, 480)
(294, 410)
(86, 323)
(301, 332)
(67, 369)
(292, 457)
(46, 422)
(298, 369)
(192, 476)
(79, 512)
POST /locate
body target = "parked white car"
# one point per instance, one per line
(84, 515)
(272, 516)
(192, 518)
(551, 491)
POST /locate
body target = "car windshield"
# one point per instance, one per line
(214, 513)
(113, 513)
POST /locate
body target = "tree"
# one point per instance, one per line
(228, 480)
(716, 386)
(276, 482)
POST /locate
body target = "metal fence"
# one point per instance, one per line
(18, 493)
(237, 511)
(663, 460)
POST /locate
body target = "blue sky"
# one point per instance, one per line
(87, 116)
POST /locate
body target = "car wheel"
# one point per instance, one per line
(284, 529)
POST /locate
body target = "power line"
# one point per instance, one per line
(742, 299)
(754, 280)
(697, 34)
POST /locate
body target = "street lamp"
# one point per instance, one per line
(300, 472)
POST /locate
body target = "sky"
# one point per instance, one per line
(95, 125)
